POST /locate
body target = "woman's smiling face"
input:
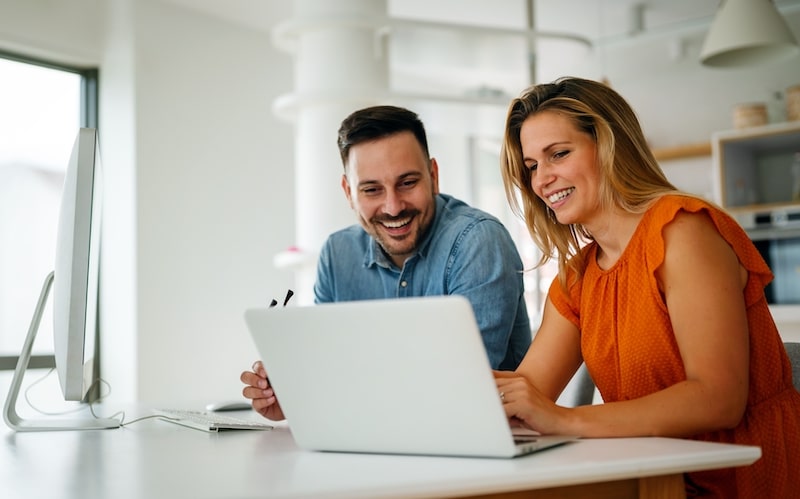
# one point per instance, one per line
(563, 164)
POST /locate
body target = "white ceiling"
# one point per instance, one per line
(257, 14)
(626, 35)
(603, 22)
(602, 18)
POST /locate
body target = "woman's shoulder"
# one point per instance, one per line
(682, 201)
(671, 207)
(695, 221)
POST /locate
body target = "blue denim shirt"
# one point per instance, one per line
(466, 251)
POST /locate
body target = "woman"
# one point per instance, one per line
(659, 292)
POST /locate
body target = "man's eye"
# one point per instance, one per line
(409, 183)
(370, 191)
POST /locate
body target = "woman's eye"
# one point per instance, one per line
(560, 154)
(532, 167)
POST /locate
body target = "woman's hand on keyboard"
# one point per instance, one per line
(261, 393)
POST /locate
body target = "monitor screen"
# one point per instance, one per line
(74, 285)
(76, 268)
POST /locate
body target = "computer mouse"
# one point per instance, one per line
(228, 405)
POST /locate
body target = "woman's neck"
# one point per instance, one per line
(612, 233)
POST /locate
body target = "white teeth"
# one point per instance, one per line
(397, 224)
(558, 196)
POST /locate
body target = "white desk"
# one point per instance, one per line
(155, 459)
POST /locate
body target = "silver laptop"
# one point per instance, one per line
(399, 376)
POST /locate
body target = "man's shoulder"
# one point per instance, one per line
(470, 227)
(454, 209)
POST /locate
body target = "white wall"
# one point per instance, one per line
(214, 177)
(199, 184)
(68, 32)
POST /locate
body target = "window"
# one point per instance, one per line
(42, 105)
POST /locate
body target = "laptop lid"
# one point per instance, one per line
(407, 376)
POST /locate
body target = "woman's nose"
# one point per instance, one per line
(541, 179)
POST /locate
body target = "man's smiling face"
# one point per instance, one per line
(392, 187)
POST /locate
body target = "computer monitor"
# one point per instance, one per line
(74, 285)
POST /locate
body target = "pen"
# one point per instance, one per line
(274, 302)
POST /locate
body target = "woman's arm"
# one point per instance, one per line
(554, 355)
(702, 282)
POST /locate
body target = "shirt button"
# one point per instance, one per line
(403, 284)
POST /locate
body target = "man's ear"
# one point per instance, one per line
(346, 188)
(435, 176)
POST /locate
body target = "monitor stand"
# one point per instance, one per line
(17, 423)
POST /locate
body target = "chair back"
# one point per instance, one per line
(793, 349)
(579, 391)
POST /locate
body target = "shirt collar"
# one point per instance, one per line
(376, 256)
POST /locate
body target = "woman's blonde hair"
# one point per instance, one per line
(630, 176)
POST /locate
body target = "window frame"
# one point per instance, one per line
(89, 98)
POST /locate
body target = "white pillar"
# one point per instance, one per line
(340, 65)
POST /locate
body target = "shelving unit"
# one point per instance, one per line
(754, 167)
(755, 177)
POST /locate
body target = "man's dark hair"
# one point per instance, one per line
(377, 122)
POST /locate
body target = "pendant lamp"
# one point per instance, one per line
(747, 32)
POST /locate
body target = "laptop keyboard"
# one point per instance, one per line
(524, 436)
(210, 421)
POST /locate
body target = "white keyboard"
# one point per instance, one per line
(210, 421)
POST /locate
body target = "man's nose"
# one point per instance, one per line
(393, 203)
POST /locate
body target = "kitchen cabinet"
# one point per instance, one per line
(757, 175)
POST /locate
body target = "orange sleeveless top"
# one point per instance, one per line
(630, 349)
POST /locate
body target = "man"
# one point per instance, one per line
(413, 241)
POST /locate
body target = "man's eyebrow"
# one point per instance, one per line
(368, 182)
(409, 174)
(400, 178)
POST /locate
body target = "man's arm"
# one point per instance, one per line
(487, 270)
(323, 286)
